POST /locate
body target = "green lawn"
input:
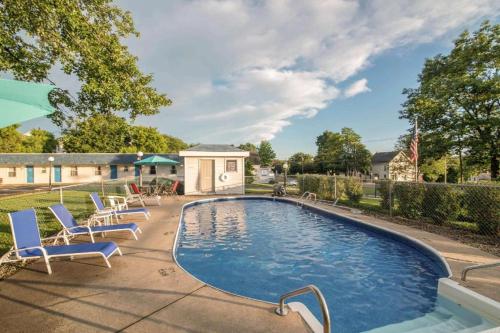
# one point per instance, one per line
(267, 189)
(77, 201)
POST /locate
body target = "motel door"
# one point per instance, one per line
(57, 174)
(114, 171)
(207, 175)
(30, 175)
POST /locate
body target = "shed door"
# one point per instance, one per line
(207, 175)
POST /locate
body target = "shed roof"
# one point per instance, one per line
(75, 158)
(384, 157)
(216, 148)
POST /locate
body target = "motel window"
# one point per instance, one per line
(152, 170)
(173, 170)
(125, 168)
(98, 170)
(74, 170)
(44, 170)
(12, 172)
(231, 166)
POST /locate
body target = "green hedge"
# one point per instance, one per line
(323, 186)
(409, 199)
(441, 203)
(483, 207)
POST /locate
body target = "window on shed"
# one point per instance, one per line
(74, 170)
(98, 170)
(152, 170)
(125, 168)
(12, 172)
(44, 170)
(231, 166)
(173, 170)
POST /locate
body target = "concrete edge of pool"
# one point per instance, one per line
(482, 305)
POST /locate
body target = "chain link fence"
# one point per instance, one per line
(463, 211)
(75, 197)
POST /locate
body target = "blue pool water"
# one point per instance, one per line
(262, 248)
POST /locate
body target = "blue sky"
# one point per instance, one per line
(374, 115)
(286, 70)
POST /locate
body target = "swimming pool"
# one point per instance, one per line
(261, 248)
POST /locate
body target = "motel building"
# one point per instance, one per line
(204, 169)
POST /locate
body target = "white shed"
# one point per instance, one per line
(214, 169)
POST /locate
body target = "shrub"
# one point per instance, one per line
(440, 203)
(323, 186)
(353, 189)
(384, 187)
(409, 197)
(483, 206)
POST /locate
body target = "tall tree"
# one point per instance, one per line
(174, 145)
(301, 163)
(248, 147)
(84, 40)
(342, 152)
(39, 141)
(112, 134)
(98, 134)
(11, 141)
(266, 153)
(457, 102)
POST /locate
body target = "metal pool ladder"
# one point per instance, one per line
(470, 268)
(305, 196)
(282, 311)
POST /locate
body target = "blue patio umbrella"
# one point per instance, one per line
(21, 101)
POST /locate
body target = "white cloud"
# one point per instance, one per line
(243, 70)
(358, 87)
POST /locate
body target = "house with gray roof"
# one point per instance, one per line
(393, 165)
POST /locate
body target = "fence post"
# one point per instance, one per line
(61, 199)
(390, 198)
(335, 186)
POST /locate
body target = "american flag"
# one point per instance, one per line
(414, 145)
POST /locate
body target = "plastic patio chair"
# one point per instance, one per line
(28, 244)
(132, 197)
(172, 190)
(71, 228)
(136, 190)
(101, 209)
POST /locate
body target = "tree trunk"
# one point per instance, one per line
(494, 165)
(461, 167)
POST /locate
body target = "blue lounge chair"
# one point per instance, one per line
(28, 244)
(100, 208)
(72, 228)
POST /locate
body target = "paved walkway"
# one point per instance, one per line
(143, 292)
(146, 292)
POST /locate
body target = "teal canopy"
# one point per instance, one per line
(21, 101)
(156, 160)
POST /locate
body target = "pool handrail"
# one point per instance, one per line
(470, 268)
(305, 196)
(282, 311)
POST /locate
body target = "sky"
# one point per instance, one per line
(244, 71)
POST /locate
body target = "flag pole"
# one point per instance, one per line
(416, 149)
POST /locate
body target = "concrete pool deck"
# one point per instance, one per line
(145, 291)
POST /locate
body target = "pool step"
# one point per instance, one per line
(441, 320)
